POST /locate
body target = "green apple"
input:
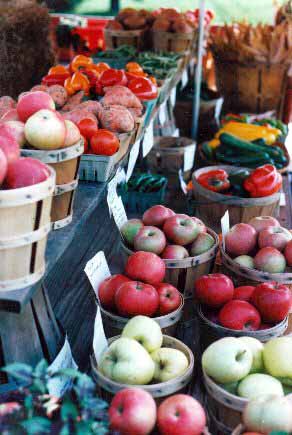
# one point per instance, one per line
(254, 385)
(126, 361)
(245, 261)
(268, 413)
(231, 387)
(169, 363)
(256, 348)
(145, 330)
(130, 229)
(277, 355)
(227, 360)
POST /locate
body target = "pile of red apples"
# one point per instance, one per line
(167, 234)
(261, 244)
(141, 290)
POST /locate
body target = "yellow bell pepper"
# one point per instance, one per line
(214, 143)
(250, 132)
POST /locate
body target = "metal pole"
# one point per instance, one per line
(198, 75)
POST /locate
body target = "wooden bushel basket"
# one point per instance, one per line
(172, 42)
(210, 206)
(114, 324)
(167, 157)
(24, 225)
(211, 331)
(108, 388)
(65, 161)
(224, 408)
(116, 38)
(255, 88)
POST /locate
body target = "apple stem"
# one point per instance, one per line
(240, 355)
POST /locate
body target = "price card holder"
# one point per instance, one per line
(184, 78)
(60, 384)
(97, 270)
(115, 204)
(99, 340)
(148, 140)
(162, 113)
(225, 226)
(182, 182)
(173, 96)
(175, 133)
(133, 159)
(189, 157)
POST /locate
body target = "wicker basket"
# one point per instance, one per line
(255, 88)
(116, 38)
(172, 42)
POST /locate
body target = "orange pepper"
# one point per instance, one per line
(80, 82)
(80, 61)
(134, 67)
(68, 86)
(153, 80)
(99, 68)
(58, 69)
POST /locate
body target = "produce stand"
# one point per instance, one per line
(65, 309)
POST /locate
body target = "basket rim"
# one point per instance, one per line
(56, 155)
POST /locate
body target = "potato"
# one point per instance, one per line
(181, 26)
(135, 22)
(161, 25)
(114, 25)
(59, 95)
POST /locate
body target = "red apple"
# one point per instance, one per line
(181, 229)
(135, 298)
(277, 237)
(214, 290)
(202, 226)
(270, 260)
(72, 134)
(239, 315)
(14, 129)
(45, 130)
(243, 293)
(132, 411)
(10, 115)
(262, 222)
(273, 301)
(25, 172)
(181, 415)
(108, 288)
(150, 239)
(174, 252)
(157, 215)
(241, 239)
(146, 267)
(32, 102)
(3, 166)
(169, 298)
(288, 253)
(10, 148)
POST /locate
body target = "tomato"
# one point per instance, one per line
(86, 146)
(112, 77)
(87, 127)
(104, 143)
(134, 67)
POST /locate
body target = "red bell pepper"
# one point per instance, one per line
(143, 88)
(55, 79)
(263, 181)
(215, 180)
(112, 77)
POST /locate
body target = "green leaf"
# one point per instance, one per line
(36, 426)
(69, 411)
(83, 427)
(65, 430)
(39, 386)
(40, 370)
(71, 373)
(19, 371)
(84, 386)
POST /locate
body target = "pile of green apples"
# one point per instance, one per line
(248, 368)
(138, 358)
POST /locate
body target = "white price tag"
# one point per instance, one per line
(60, 384)
(162, 113)
(148, 140)
(119, 177)
(97, 270)
(99, 340)
(225, 226)
(175, 133)
(173, 96)
(133, 159)
(119, 212)
(282, 199)
(182, 182)
(189, 157)
(184, 78)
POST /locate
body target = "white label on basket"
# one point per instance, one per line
(99, 340)
(60, 384)
(162, 113)
(184, 78)
(148, 139)
(225, 226)
(173, 96)
(175, 133)
(182, 182)
(119, 212)
(189, 157)
(97, 270)
(282, 199)
(133, 159)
